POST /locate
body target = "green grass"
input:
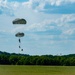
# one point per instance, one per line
(36, 70)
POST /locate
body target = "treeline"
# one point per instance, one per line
(23, 59)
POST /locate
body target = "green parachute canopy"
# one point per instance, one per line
(19, 34)
(19, 21)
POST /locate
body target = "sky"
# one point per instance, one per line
(50, 27)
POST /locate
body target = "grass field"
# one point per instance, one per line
(36, 70)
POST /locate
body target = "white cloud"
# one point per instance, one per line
(5, 7)
(69, 31)
(53, 31)
(51, 6)
(3, 3)
(60, 25)
(59, 29)
(15, 5)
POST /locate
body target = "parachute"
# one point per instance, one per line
(19, 21)
(19, 35)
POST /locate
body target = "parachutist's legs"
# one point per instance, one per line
(19, 47)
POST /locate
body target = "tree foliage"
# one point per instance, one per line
(23, 59)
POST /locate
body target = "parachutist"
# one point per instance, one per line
(19, 41)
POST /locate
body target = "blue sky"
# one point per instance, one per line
(18, 0)
(50, 27)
